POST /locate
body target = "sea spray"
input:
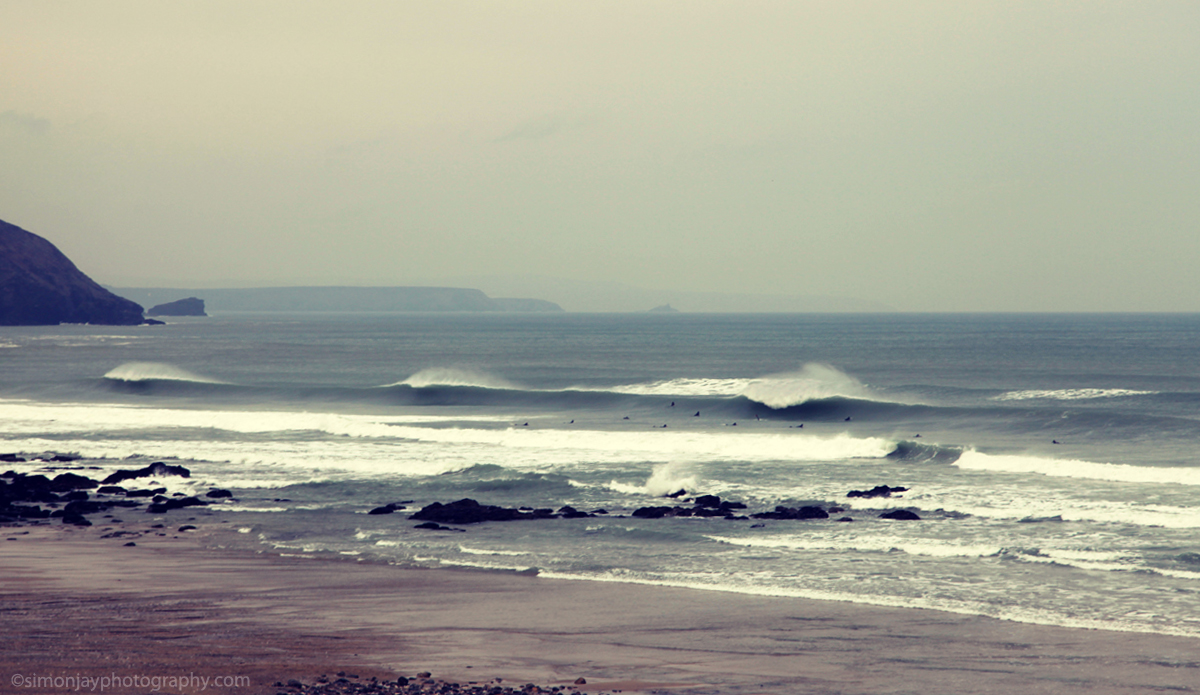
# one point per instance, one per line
(812, 382)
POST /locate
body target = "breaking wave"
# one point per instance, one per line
(155, 371)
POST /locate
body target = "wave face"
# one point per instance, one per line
(455, 376)
(1052, 460)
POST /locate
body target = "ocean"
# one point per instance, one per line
(1053, 460)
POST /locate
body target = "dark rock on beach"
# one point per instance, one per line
(806, 512)
(217, 493)
(166, 505)
(422, 683)
(877, 491)
(431, 526)
(468, 511)
(39, 286)
(653, 512)
(900, 515)
(156, 469)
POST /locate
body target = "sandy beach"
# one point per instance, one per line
(78, 603)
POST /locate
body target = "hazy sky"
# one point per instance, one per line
(963, 155)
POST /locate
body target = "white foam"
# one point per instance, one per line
(685, 387)
(1069, 394)
(474, 551)
(1073, 468)
(664, 479)
(23, 417)
(280, 450)
(874, 544)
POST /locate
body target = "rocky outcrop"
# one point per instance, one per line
(191, 306)
(156, 469)
(39, 286)
(468, 511)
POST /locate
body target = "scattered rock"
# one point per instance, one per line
(166, 505)
(217, 493)
(900, 515)
(156, 469)
(877, 491)
(781, 512)
(431, 526)
(468, 511)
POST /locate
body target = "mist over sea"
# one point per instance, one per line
(1053, 460)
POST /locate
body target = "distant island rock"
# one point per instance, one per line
(343, 299)
(664, 309)
(39, 286)
(180, 307)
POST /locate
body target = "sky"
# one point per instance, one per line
(930, 156)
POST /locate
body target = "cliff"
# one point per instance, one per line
(39, 286)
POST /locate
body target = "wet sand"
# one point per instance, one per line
(75, 603)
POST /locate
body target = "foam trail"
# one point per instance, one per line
(684, 387)
(455, 376)
(1070, 468)
(1070, 394)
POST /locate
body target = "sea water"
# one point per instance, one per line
(1053, 460)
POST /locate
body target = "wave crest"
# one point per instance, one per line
(813, 382)
(455, 376)
(155, 371)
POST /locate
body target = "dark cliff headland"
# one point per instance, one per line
(39, 286)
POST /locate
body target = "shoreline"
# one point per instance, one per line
(80, 603)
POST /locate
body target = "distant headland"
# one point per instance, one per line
(338, 299)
